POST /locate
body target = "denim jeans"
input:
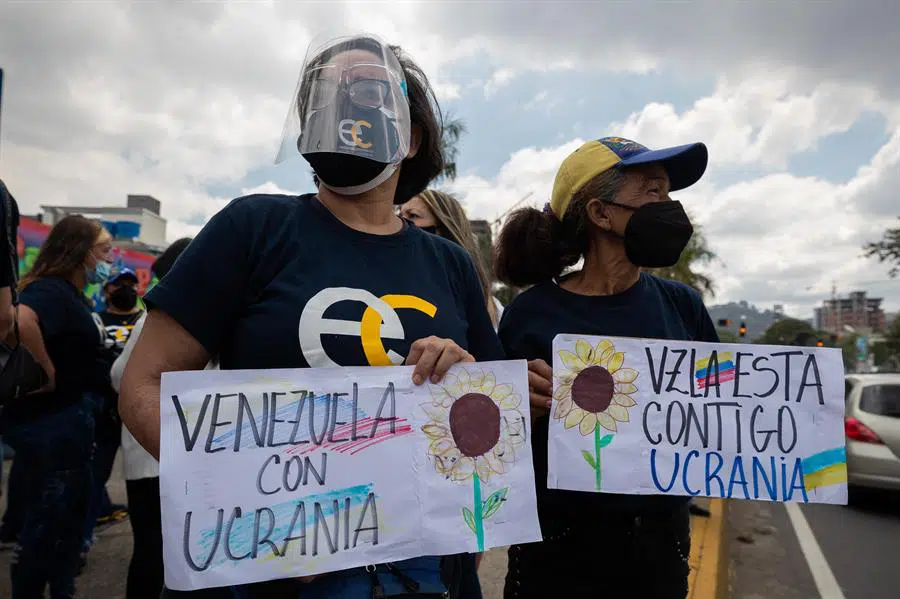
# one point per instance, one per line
(54, 452)
(105, 450)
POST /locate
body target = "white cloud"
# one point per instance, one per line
(758, 120)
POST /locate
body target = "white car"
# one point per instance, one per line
(872, 427)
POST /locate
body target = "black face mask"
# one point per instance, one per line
(340, 170)
(124, 298)
(656, 234)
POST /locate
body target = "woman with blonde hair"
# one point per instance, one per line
(441, 213)
(52, 430)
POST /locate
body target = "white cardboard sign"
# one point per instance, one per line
(640, 416)
(280, 473)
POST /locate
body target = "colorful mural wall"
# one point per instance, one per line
(32, 234)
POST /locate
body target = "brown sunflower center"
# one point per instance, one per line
(592, 389)
(475, 424)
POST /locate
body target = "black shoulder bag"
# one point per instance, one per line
(20, 373)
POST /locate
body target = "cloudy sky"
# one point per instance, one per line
(799, 103)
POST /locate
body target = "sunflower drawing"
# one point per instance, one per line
(475, 430)
(593, 393)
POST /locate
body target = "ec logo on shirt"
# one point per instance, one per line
(380, 321)
(350, 130)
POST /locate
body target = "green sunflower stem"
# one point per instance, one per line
(479, 517)
(597, 455)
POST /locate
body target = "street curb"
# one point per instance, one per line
(708, 578)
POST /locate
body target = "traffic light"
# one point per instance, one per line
(742, 330)
(820, 343)
(724, 322)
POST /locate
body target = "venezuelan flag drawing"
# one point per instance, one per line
(825, 469)
(725, 371)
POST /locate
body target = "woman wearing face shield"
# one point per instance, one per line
(270, 279)
(610, 207)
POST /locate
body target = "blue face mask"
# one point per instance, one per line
(100, 273)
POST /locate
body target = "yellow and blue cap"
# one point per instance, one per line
(684, 164)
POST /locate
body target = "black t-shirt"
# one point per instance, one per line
(9, 260)
(73, 336)
(118, 329)
(653, 308)
(277, 281)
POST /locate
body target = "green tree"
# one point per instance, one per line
(892, 338)
(696, 252)
(789, 331)
(454, 129)
(887, 250)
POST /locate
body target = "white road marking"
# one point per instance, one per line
(822, 575)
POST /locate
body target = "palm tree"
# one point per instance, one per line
(696, 252)
(453, 130)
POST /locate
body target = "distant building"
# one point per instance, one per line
(857, 310)
(137, 225)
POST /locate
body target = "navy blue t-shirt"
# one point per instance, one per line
(73, 336)
(653, 308)
(277, 281)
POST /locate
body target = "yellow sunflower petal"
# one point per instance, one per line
(606, 421)
(438, 414)
(441, 396)
(574, 417)
(571, 361)
(603, 359)
(625, 375)
(496, 465)
(562, 392)
(615, 362)
(512, 428)
(483, 468)
(602, 348)
(563, 407)
(441, 446)
(618, 412)
(588, 424)
(476, 380)
(436, 431)
(510, 402)
(502, 391)
(463, 469)
(583, 350)
(490, 381)
(446, 462)
(624, 400)
(625, 388)
(505, 452)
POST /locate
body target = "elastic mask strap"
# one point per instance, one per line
(358, 189)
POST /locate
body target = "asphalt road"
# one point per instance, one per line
(860, 545)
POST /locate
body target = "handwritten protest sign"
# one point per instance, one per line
(719, 420)
(280, 473)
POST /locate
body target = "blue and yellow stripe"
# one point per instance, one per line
(825, 468)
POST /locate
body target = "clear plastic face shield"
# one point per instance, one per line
(351, 100)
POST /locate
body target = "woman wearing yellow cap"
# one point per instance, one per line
(610, 206)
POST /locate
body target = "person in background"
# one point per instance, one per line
(9, 274)
(145, 570)
(252, 288)
(440, 213)
(119, 317)
(52, 431)
(611, 207)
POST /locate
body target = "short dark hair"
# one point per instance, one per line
(534, 246)
(424, 111)
(163, 264)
